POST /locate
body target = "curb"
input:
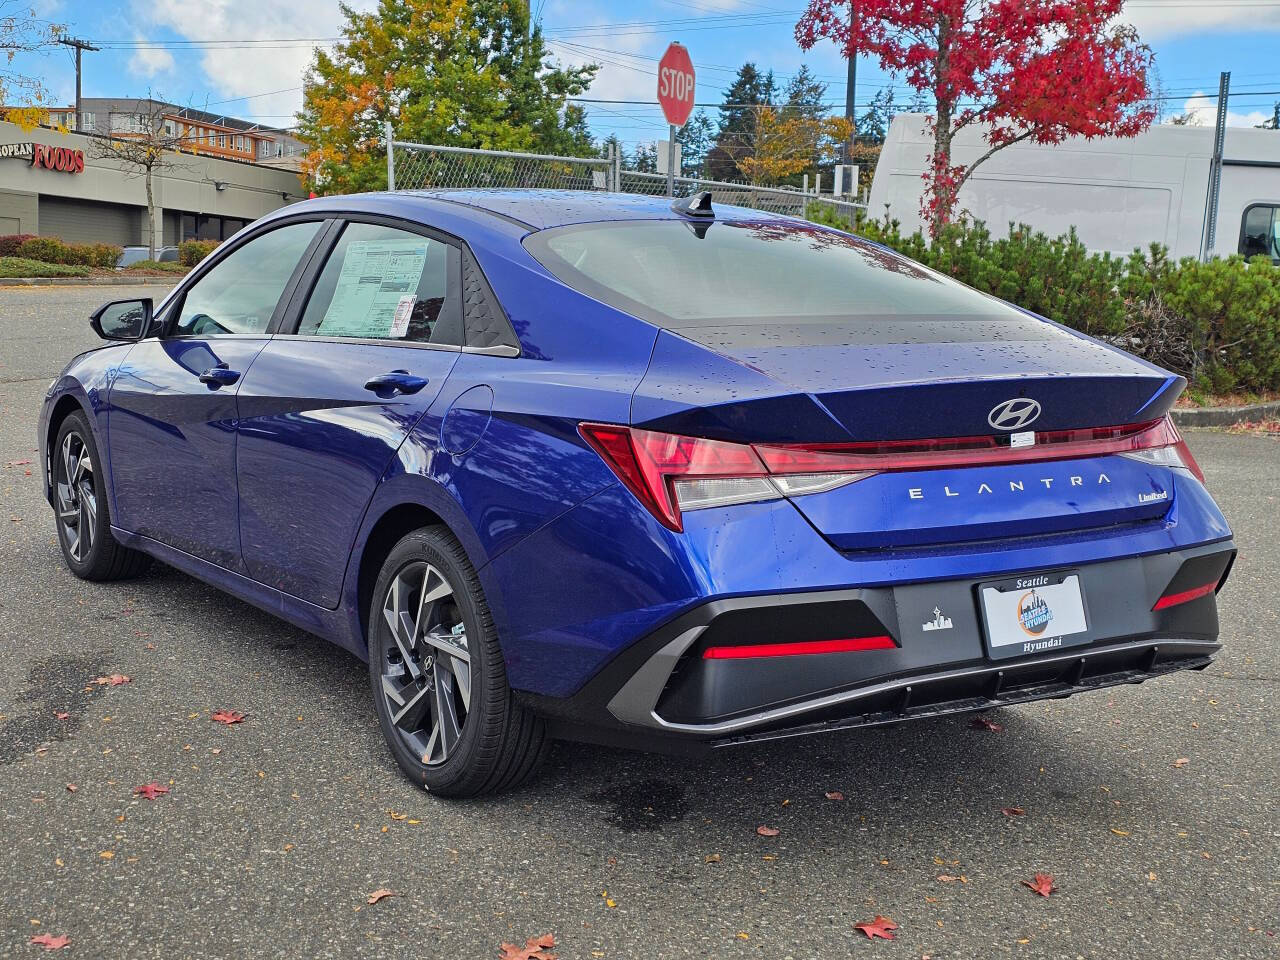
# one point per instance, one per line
(88, 281)
(1224, 416)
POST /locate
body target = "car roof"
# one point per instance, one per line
(541, 209)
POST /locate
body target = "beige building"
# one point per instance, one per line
(57, 184)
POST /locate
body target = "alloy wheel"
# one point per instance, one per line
(77, 498)
(426, 672)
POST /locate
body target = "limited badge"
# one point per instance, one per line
(400, 322)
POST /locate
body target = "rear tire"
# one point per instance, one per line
(438, 679)
(83, 514)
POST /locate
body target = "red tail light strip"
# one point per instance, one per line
(799, 648)
(1186, 596)
(966, 451)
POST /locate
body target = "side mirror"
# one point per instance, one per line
(126, 320)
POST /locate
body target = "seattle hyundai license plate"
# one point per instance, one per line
(1033, 614)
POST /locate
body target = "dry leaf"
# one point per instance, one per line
(62, 715)
(380, 894)
(114, 680)
(150, 790)
(879, 927)
(227, 716)
(1012, 811)
(834, 795)
(948, 878)
(1042, 884)
(767, 831)
(535, 948)
(711, 858)
(982, 723)
(107, 854)
(1120, 833)
(72, 788)
(1181, 762)
(49, 942)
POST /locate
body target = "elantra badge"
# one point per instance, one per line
(1014, 414)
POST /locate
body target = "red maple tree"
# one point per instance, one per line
(1039, 70)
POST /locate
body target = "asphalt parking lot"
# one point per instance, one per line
(276, 830)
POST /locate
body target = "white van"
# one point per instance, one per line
(1118, 193)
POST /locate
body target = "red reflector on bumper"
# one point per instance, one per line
(845, 645)
(1186, 596)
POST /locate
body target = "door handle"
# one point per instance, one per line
(219, 376)
(397, 381)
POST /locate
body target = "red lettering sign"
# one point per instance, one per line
(63, 159)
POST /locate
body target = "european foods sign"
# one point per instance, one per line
(61, 159)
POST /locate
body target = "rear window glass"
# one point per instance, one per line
(771, 282)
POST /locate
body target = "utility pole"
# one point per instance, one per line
(80, 47)
(849, 105)
(1210, 234)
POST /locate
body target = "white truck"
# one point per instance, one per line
(1118, 193)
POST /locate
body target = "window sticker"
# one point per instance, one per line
(377, 277)
(404, 310)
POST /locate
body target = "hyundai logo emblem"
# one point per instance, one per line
(1014, 414)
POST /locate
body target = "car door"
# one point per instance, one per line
(172, 429)
(372, 334)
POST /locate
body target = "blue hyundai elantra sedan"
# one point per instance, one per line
(665, 475)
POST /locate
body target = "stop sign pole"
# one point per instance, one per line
(675, 96)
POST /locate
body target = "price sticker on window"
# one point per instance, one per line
(400, 322)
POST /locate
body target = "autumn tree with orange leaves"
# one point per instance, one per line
(784, 142)
(21, 32)
(464, 73)
(1021, 70)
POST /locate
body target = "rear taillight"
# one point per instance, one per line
(671, 473)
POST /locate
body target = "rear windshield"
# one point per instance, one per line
(780, 283)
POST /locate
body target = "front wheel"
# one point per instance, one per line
(439, 682)
(83, 514)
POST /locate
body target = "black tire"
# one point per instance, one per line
(500, 743)
(100, 557)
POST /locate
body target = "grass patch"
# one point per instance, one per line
(156, 266)
(22, 267)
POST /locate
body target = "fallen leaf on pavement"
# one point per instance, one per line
(1119, 833)
(982, 723)
(50, 942)
(18, 463)
(150, 790)
(1012, 811)
(114, 680)
(1042, 884)
(834, 795)
(711, 858)
(879, 927)
(72, 788)
(380, 894)
(535, 948)
(227, 716)
(948, 878)
(62, 715)
(767, 831)
(1181, 762)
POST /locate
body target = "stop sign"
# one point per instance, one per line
(675, 85)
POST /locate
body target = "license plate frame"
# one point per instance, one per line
(1034, 613)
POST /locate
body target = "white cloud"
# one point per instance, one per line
(149, 62)
(247, 71)
(1156, 22)
(1204, 113)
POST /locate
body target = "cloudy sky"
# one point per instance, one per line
(247, 57)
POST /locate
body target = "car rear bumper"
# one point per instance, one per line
(666, 691)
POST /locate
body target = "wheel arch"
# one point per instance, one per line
(66, 405)
(397, 521)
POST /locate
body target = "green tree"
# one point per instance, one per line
(695, 139)
(873, 126)
(805, 93)
(456, 72)
(736, 131)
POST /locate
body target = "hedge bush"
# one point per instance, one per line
(191, 252)
(22, 267)
(53, 250)
(9, 244)
(166, 266)
(1216, 323)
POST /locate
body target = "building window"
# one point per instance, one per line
(1260, 232)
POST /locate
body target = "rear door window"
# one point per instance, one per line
(1260, 236)
(383, 283)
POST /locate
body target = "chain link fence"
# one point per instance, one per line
(418, 166)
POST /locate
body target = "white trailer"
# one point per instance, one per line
(1118, 193)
